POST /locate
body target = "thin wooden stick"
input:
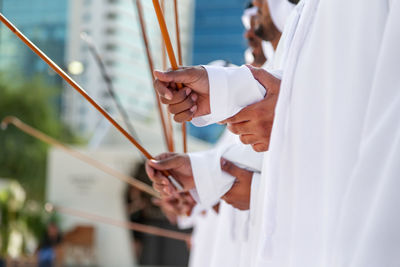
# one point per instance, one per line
(164, 67)
(51, 141)
(152, 230)
(167, 39)
(109, 83)
(151, 69)
(170, 52)
(178, 33)
(76, 86)
(179, 45)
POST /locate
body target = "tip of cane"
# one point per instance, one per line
(6, 121)
(4, 124)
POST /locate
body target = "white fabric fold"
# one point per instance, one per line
(331, 192)
(203, 239)
(210, 181)
(227, 250)
(280, 11)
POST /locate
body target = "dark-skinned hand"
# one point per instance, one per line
(239, 195)
(192, 100)
(178, 165)
(254, 123)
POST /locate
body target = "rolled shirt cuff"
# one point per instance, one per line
(210, 181)
(231, 89)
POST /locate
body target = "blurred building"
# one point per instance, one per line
(113, 26)
(218, 35)
(45, 23)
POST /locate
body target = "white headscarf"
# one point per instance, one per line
(280, 11)
(246, 17)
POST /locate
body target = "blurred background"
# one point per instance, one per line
(33, 173)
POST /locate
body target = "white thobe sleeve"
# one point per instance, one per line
(210, 181)
(231, 89)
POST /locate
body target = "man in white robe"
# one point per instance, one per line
(330, 176)
(238, 245)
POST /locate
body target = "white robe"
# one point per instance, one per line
(203, 239)
(231, 232)
(329, 180)
(228, 245)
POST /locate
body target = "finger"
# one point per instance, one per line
(265, 78)
(162, 189)
(234, 170)
(185, 115)
(259, 74)
(169, 189)
(149, 170)
(188, 198)
(260, 147)
(176, 76)
(249, 139)
(187, 104)
(177, 96)
(158, 187)
(160, 178)
(240, 128)
(167, 164)
(163, 90)
(165, 155)
(243, 116)
(155, 175)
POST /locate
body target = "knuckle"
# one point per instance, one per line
(244, 139)
(180, 117)
(260, 147)
(157, 187)
(156, 84)
(171, 109)
(164, 100)
(255, 148)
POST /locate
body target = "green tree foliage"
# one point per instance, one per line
(21, 156)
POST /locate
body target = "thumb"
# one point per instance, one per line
(166, 164)
(267, 80)
(176, 76)
(234, 170)
(260, 74)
